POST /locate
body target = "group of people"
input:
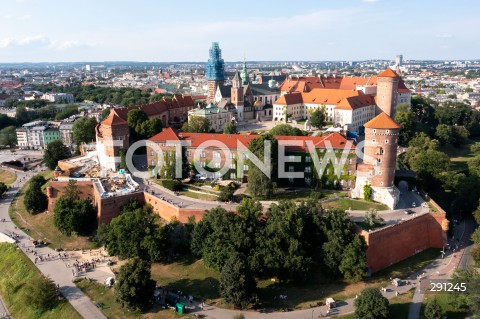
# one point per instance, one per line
(82, 266)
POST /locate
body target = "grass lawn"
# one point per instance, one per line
(192, 277)
(7, 177)
(459, 155)
(302, 194)
(448, 303)
(17, 270)
(41, 226)
(199, 195)
(105, 297)
(354, 204)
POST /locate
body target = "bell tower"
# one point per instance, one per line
(387, 88)
(237, 96)
(215, 70)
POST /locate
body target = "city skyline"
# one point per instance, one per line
(50, 31)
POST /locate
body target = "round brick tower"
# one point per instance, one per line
(387, 87)
(381, 141)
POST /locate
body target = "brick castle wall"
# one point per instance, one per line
(392, 244)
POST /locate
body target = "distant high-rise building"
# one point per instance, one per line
(215, 70)
(398, 61)
(88, 68)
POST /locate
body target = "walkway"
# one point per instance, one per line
(55, 269)
(3, 310)
(454, 258)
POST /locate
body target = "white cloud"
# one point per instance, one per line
(41, 41)
(444, 36)
(24, 17)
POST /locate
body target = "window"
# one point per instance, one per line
(245, 167)
(203, 164)
(388, 131)
(386, 141)
(290, 168)
(202, 154)
(232, 155)
(290, 179)
(152, 163)
(380, 173)
(374, 131)
(216, 155)
(374, 141)
(308, 180)
(381, 151)
(291, 158)
(349, 172)
(379, 160)
(308, 169)
(217, 165)
(245, 156)
(308, 159)
(233, 176)
(187, 154)
(232, 166)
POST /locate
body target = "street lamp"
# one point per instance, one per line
(312, 312)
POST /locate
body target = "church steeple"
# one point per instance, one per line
(244, 74)
(215, 70)
(236, 80)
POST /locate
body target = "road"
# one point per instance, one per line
(55, 269)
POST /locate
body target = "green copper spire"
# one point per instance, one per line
(244, 73)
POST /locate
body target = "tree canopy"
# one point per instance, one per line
(371, 304)
(55, 152)
(196, 124)
(319, 118)
(135, 233)
(35, 199)
(288, 130)
(134, 287)
(261, 185)
(230, 128)
(83, 130)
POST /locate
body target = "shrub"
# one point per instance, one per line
(172, 185)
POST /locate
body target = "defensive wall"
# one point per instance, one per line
(395, 243)
(109, 207)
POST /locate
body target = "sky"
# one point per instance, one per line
(260, 30)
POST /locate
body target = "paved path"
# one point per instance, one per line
(3, 309)
(453, 260)
(55, 269)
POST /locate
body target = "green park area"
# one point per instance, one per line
(7, 177)
(41, 226)
(19, 293)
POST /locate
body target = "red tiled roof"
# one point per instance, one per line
(309, 83)
(114, 119)
(382, 121)
(343, 99)
(158, 107)
(231, 141)
(388, 73)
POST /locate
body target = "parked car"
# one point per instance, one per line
(409, 211)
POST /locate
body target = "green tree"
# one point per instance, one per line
(230, 128)
(135, 119)
(367, 192)
(135, 233)
(475, 148)
(287, 243)
(3, 188)
(150, 128)
(354, 261)
(471, 278)
(460, 135)
(105, 113)
(319, 118)
(237, 283)
(370, 304)
(35, 199)
(84, 130)
(42, 292)
(134, 287)
(407, 124)
(55, 152)
(476, 214)
(197, 124)
(372, 218)
(8, 136)
(287, 130)
(226, 194)
(339, 231)
(68, 110)
(74, 216)
(474, 165)
(261, 185)
(445, 134)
